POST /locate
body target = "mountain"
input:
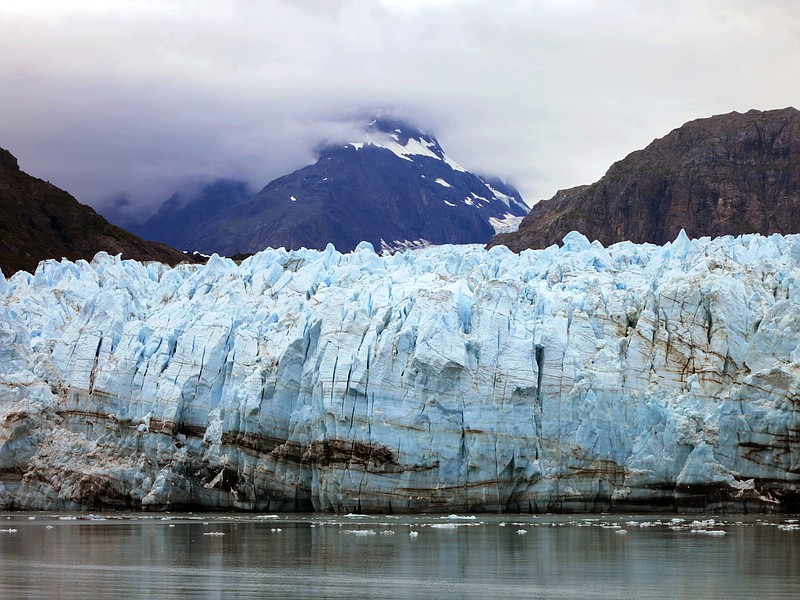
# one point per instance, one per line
(579, 378)
(396, 189)
(40, 221)
(724, 175)
(180, 218)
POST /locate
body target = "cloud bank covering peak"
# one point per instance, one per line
(139, 98)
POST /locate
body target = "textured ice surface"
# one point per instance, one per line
(440, 379)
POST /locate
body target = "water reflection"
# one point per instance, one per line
(309, 556)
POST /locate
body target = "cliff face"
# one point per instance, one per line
(451, 378)
(40, 221)
(724, 175)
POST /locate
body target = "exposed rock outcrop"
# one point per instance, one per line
(725, 175)
(40, 221)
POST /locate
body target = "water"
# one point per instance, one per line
(314, 556)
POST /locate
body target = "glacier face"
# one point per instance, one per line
(446, 378)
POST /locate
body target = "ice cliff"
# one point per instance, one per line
(450, 378)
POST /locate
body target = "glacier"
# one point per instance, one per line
(575, 378)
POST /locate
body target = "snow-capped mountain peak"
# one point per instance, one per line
(444, 379)
(394, 187)
(404, 141)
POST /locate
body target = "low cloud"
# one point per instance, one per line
(140, 98)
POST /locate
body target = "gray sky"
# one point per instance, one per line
(105, 97)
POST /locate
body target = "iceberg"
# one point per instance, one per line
(443, 379)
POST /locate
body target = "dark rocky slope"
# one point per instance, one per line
(727, 174)
(184, 214)
(40, 221)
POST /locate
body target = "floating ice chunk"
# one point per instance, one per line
(703, 524)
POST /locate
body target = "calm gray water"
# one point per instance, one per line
(313, 556)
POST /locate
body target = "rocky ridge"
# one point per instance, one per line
(724, 175)
(40, 221)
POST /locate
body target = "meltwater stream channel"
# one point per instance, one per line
(423, 556)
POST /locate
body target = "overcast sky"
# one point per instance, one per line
(138, 97)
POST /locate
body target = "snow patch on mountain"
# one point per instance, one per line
(421, 146)
(398, 245)
(508, 224)
(504, 198)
